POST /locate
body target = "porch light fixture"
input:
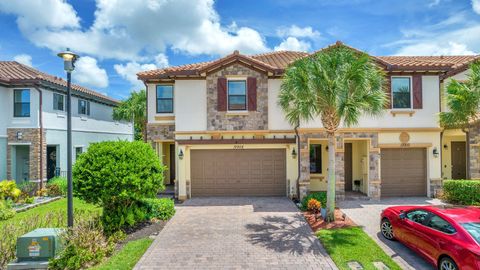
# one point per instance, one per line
(294, 153)
(435, 152)
(445, 146)
(19, 135)
(326, 148)
(69, 59)
(180, 154)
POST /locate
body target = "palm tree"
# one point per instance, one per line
(463, 100)
(337, 84)
(134, 108)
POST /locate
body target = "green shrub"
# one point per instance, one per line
(320, 196)
(465, 192)
(6, 211)
(29, 200)
(28, 189)
(57, 186)
(9, 190)
(85, 246)
(162, 209)
(117, 175)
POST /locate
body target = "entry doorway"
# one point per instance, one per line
(172, 163)
(459, 160)
(348, 167)
(21, 163)
(51, 161)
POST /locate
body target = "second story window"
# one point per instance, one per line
(83, 107)
(21, 103)
(237, 95)
(164, 98)
(401, 93)
(58, 102)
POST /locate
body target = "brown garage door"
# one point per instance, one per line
(255, 172)
(404, 172)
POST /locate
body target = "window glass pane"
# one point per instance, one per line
(78, 151)
(315, 158)
(22, 109)
(401, 93)
(236, 87)
(82, 107)
(440, 224)
(473, 228)
(22, 95)
(58, 102)
(164, 91)
(164, 105)
(418, 216)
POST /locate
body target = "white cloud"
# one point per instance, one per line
(132, 30)
(293, 44)
(23, 59)
(433, 3)
(298, 32)
(88, 73)
(129, 70)
(476, 6)
(432, 48)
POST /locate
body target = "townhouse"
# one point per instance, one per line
(218, 128)
(33, 123)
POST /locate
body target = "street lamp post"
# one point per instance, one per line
(69, 59)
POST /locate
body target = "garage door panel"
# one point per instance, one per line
(252, 172)
(403, 172)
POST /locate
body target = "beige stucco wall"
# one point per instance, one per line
(183, 166)
(276, 117)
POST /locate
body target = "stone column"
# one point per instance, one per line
(339, 175)
(304, 181)
(474, 151)
(374, 181)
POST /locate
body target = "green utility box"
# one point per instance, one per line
(35, 248)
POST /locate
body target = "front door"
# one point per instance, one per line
(51, 161)
(348, 167)
(459, 160)
(172, 163)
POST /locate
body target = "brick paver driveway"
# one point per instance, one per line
(236, 233)
(367, 214)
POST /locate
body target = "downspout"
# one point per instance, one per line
(40, 99)
(298, 160)
(146, 114)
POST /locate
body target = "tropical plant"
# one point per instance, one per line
(134, 108)
(337, 84)
(9, 190)
(57, 186)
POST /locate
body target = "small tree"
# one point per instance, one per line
(117, 176)
(338, 85)
(134, 108)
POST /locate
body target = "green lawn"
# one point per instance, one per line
(59, 205)
(127, 257)
(353, 244)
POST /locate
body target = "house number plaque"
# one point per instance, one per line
(238, 146)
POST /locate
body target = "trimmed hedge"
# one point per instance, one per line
(465, 192)
(162, 209)
(320, 196)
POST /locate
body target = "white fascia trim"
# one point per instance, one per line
(19, 143)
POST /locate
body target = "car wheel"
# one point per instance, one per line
(447, 263)
(387, 229)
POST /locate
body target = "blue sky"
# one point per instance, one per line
(116, 39)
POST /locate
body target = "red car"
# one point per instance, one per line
(448, 237)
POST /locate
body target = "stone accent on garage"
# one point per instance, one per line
(374, 162)
(474, 151)
(251, 120)
(30, 137)
(160, 132)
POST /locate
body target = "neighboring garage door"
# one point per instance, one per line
(404, 172)
(249, 172)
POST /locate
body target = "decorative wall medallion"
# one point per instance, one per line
(404, 138)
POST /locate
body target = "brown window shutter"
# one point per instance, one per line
(417, 91)
(252, 93)
(222, 94)
(388, 92)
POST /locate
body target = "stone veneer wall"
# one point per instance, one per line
(374, 162)
(157, 132)
(474, 141)
(253, 120)
(31, 136)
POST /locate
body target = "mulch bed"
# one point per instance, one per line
(142, 230)
(339, 222)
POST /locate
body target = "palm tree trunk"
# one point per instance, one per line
(331, 179)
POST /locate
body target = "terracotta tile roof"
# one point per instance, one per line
(437, 62)
(14, 72)
(278, 61)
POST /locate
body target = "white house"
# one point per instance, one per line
(33, 123)
(218, 127)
